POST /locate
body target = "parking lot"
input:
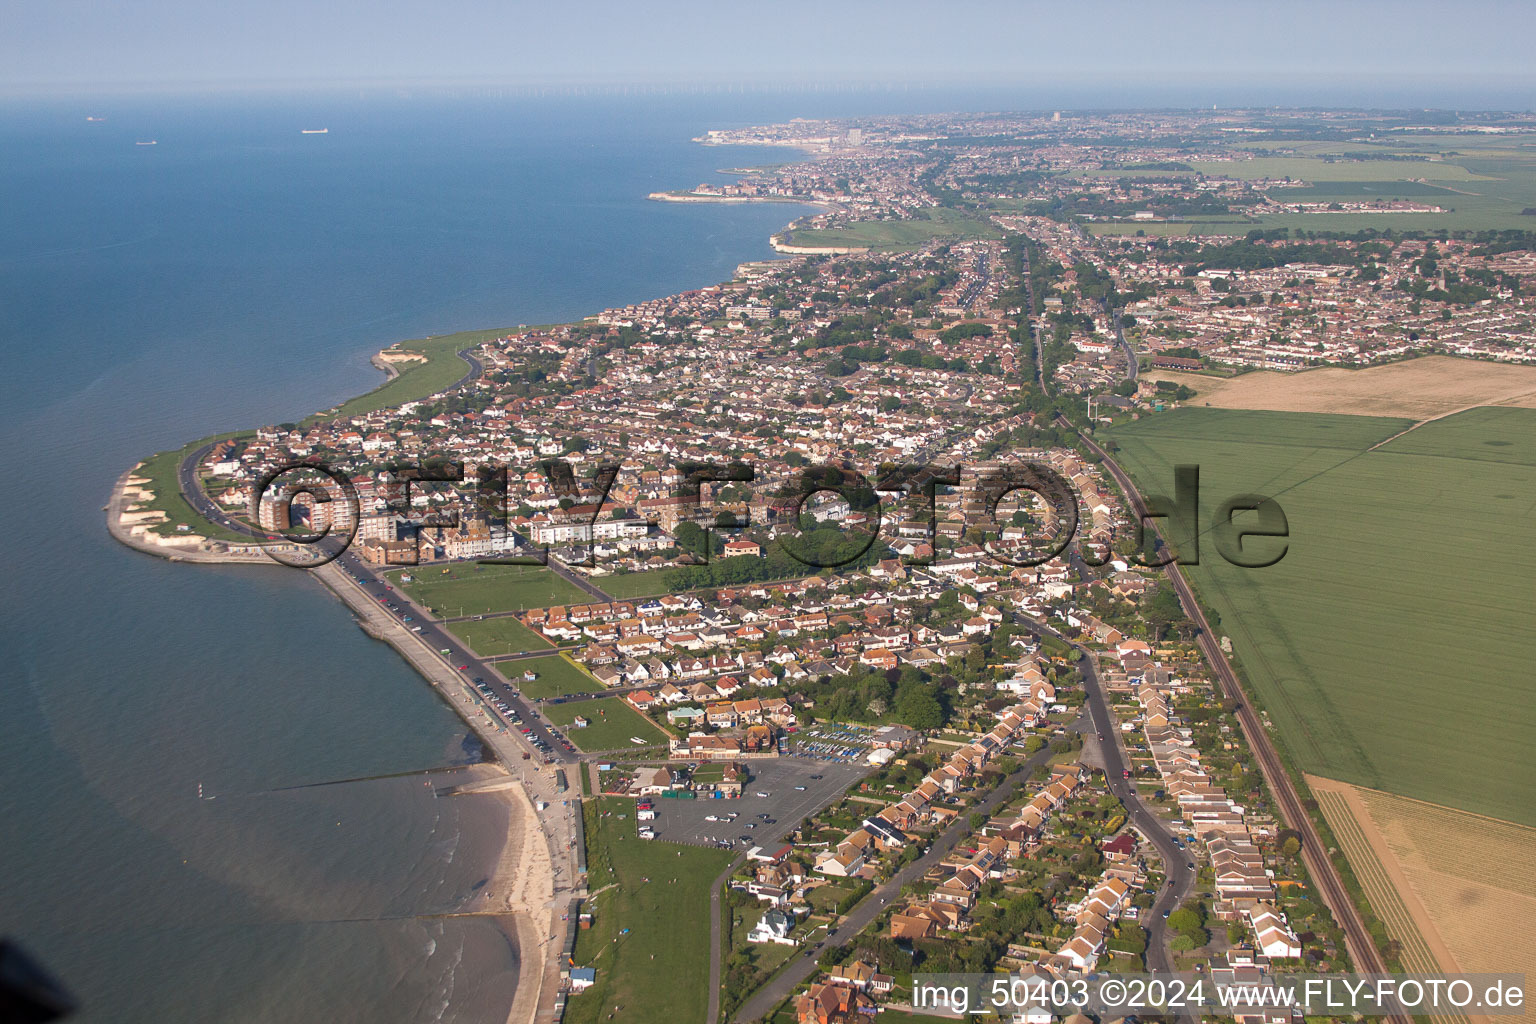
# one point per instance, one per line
(834, 743)
(684, 821)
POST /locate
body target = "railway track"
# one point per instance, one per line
(1357, 938)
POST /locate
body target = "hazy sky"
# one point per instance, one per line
(48, 44)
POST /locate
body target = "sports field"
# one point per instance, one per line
(555, 677)
(625, 586)
(466, 588)
(1391, 646)
(501, 635)
(649, 940)
(612, 724)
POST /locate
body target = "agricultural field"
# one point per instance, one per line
(1467, 879)
(465, 588)
(501, 635)
(1416, 388)
(1315, 169)
(1391, 898)
(613, 723)
(557, 677)
(646, 943)
(1391, 645)
(1480, 185)
(894, 235)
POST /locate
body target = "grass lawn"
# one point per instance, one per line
(556, 677)
(466, 588)
(416, 380)
(160, 471)
(891, 235)
(504, 635)
(613, 723)
(659, 972)
(1389, 645)
(635, 584)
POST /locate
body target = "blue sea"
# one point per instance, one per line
(239, 273)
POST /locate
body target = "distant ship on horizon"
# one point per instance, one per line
(314, 131)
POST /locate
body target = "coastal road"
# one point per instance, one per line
(1362, 950)
(803, 965)
(437, 639)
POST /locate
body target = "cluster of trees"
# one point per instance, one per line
(1189, 925)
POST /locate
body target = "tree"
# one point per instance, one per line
(916, 707)
(1184, 920)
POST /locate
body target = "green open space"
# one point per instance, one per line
(652, 583)
(1315, 169)
(612, 724)
(1478, 187)
(555, 677)
(443, 366)
(161, 472)
(501, 635)
(890, 235)
(657, 892)
(1391, 646)
(467, 588)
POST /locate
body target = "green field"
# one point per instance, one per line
(466, 588)
(503, 635)
(625, 586)
(1392, 645)
(556, 677)
(416, 380)
(160, 470)
(1313, 169)
(891, 235)
(613, 723)
(1484, 186)
(659, 972)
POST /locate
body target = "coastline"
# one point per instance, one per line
(520, 892)
(531, 891)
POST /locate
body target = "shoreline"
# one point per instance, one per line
(532, 890)
(520, 892)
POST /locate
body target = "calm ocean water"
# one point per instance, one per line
(235, 274)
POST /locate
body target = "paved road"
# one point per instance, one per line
(1132, 368)
(1361, 948)
(435, 636)
(369, 579)
(1179, 877)
(804, 966)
